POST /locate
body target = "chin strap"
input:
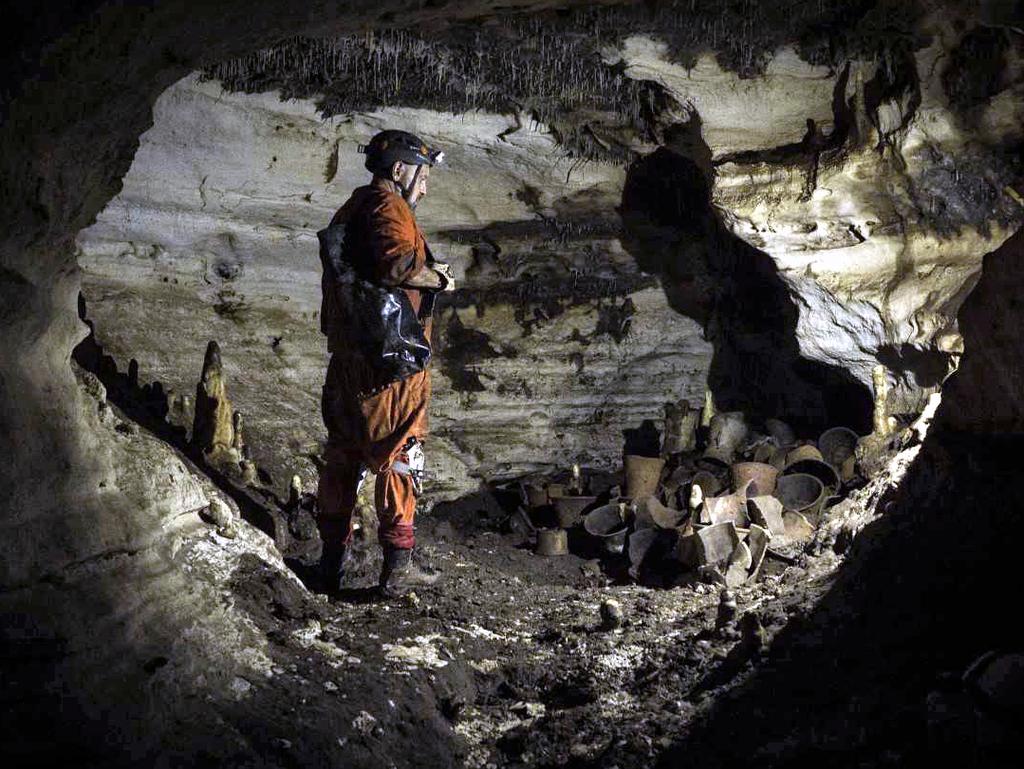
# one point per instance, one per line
(407, 191)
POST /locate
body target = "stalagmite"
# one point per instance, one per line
(708, 411)
(680, 428)
(249, 476)
(883, 423)
(213, 430)
(236, 438)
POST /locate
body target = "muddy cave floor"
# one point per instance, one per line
(513, 648)
(506, 662)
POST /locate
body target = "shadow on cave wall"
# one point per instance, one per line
(734, 290)
(873, 674)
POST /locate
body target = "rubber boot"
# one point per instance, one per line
(400, 573)
(332, 568)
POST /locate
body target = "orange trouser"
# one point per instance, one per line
(369, 430)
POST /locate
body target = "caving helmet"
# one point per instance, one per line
(388, 147)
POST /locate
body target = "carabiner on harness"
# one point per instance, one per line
(411, 462)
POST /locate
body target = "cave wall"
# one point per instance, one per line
(69, 132)
(554, 345)
(874, 188)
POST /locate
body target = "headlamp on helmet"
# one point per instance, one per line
(389, 147)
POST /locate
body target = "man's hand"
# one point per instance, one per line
(437, 276)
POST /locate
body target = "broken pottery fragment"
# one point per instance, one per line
(651, 512)
(798, 528)
(767, 513)
(757, 541)
(765, 452)
(708, 545)
(640, 544)
(738, 566)
(731, 507)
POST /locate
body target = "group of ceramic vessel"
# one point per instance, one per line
(750, 488)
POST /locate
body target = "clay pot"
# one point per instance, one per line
(820, 469)
(800, 492)
(569, 509)
(551, 542)
(726, 434)
(606, 524)
(556, 490)
(642, 475)
(761, 477)
(536, 496)
(807, 460)
(780, 431)
(708, 482)
(801, 453)
(661, 517)
(838, 446)
(757, 541)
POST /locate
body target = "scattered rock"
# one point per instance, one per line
(611, 614)
(239, 687)
(364, 723)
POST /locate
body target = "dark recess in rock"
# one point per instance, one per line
(459, 348)
(735, 291)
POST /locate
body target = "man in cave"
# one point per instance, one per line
(379, 285)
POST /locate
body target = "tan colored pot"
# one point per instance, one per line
(760, 475)
(552, 542)
(570, 509)
(643, 475)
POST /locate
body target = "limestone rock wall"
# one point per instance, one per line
(873, 189)
(555, 344)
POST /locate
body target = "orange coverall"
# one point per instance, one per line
(369, 423)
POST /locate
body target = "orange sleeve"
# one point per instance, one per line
(397, 248)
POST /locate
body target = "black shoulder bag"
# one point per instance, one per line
(383, 324)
